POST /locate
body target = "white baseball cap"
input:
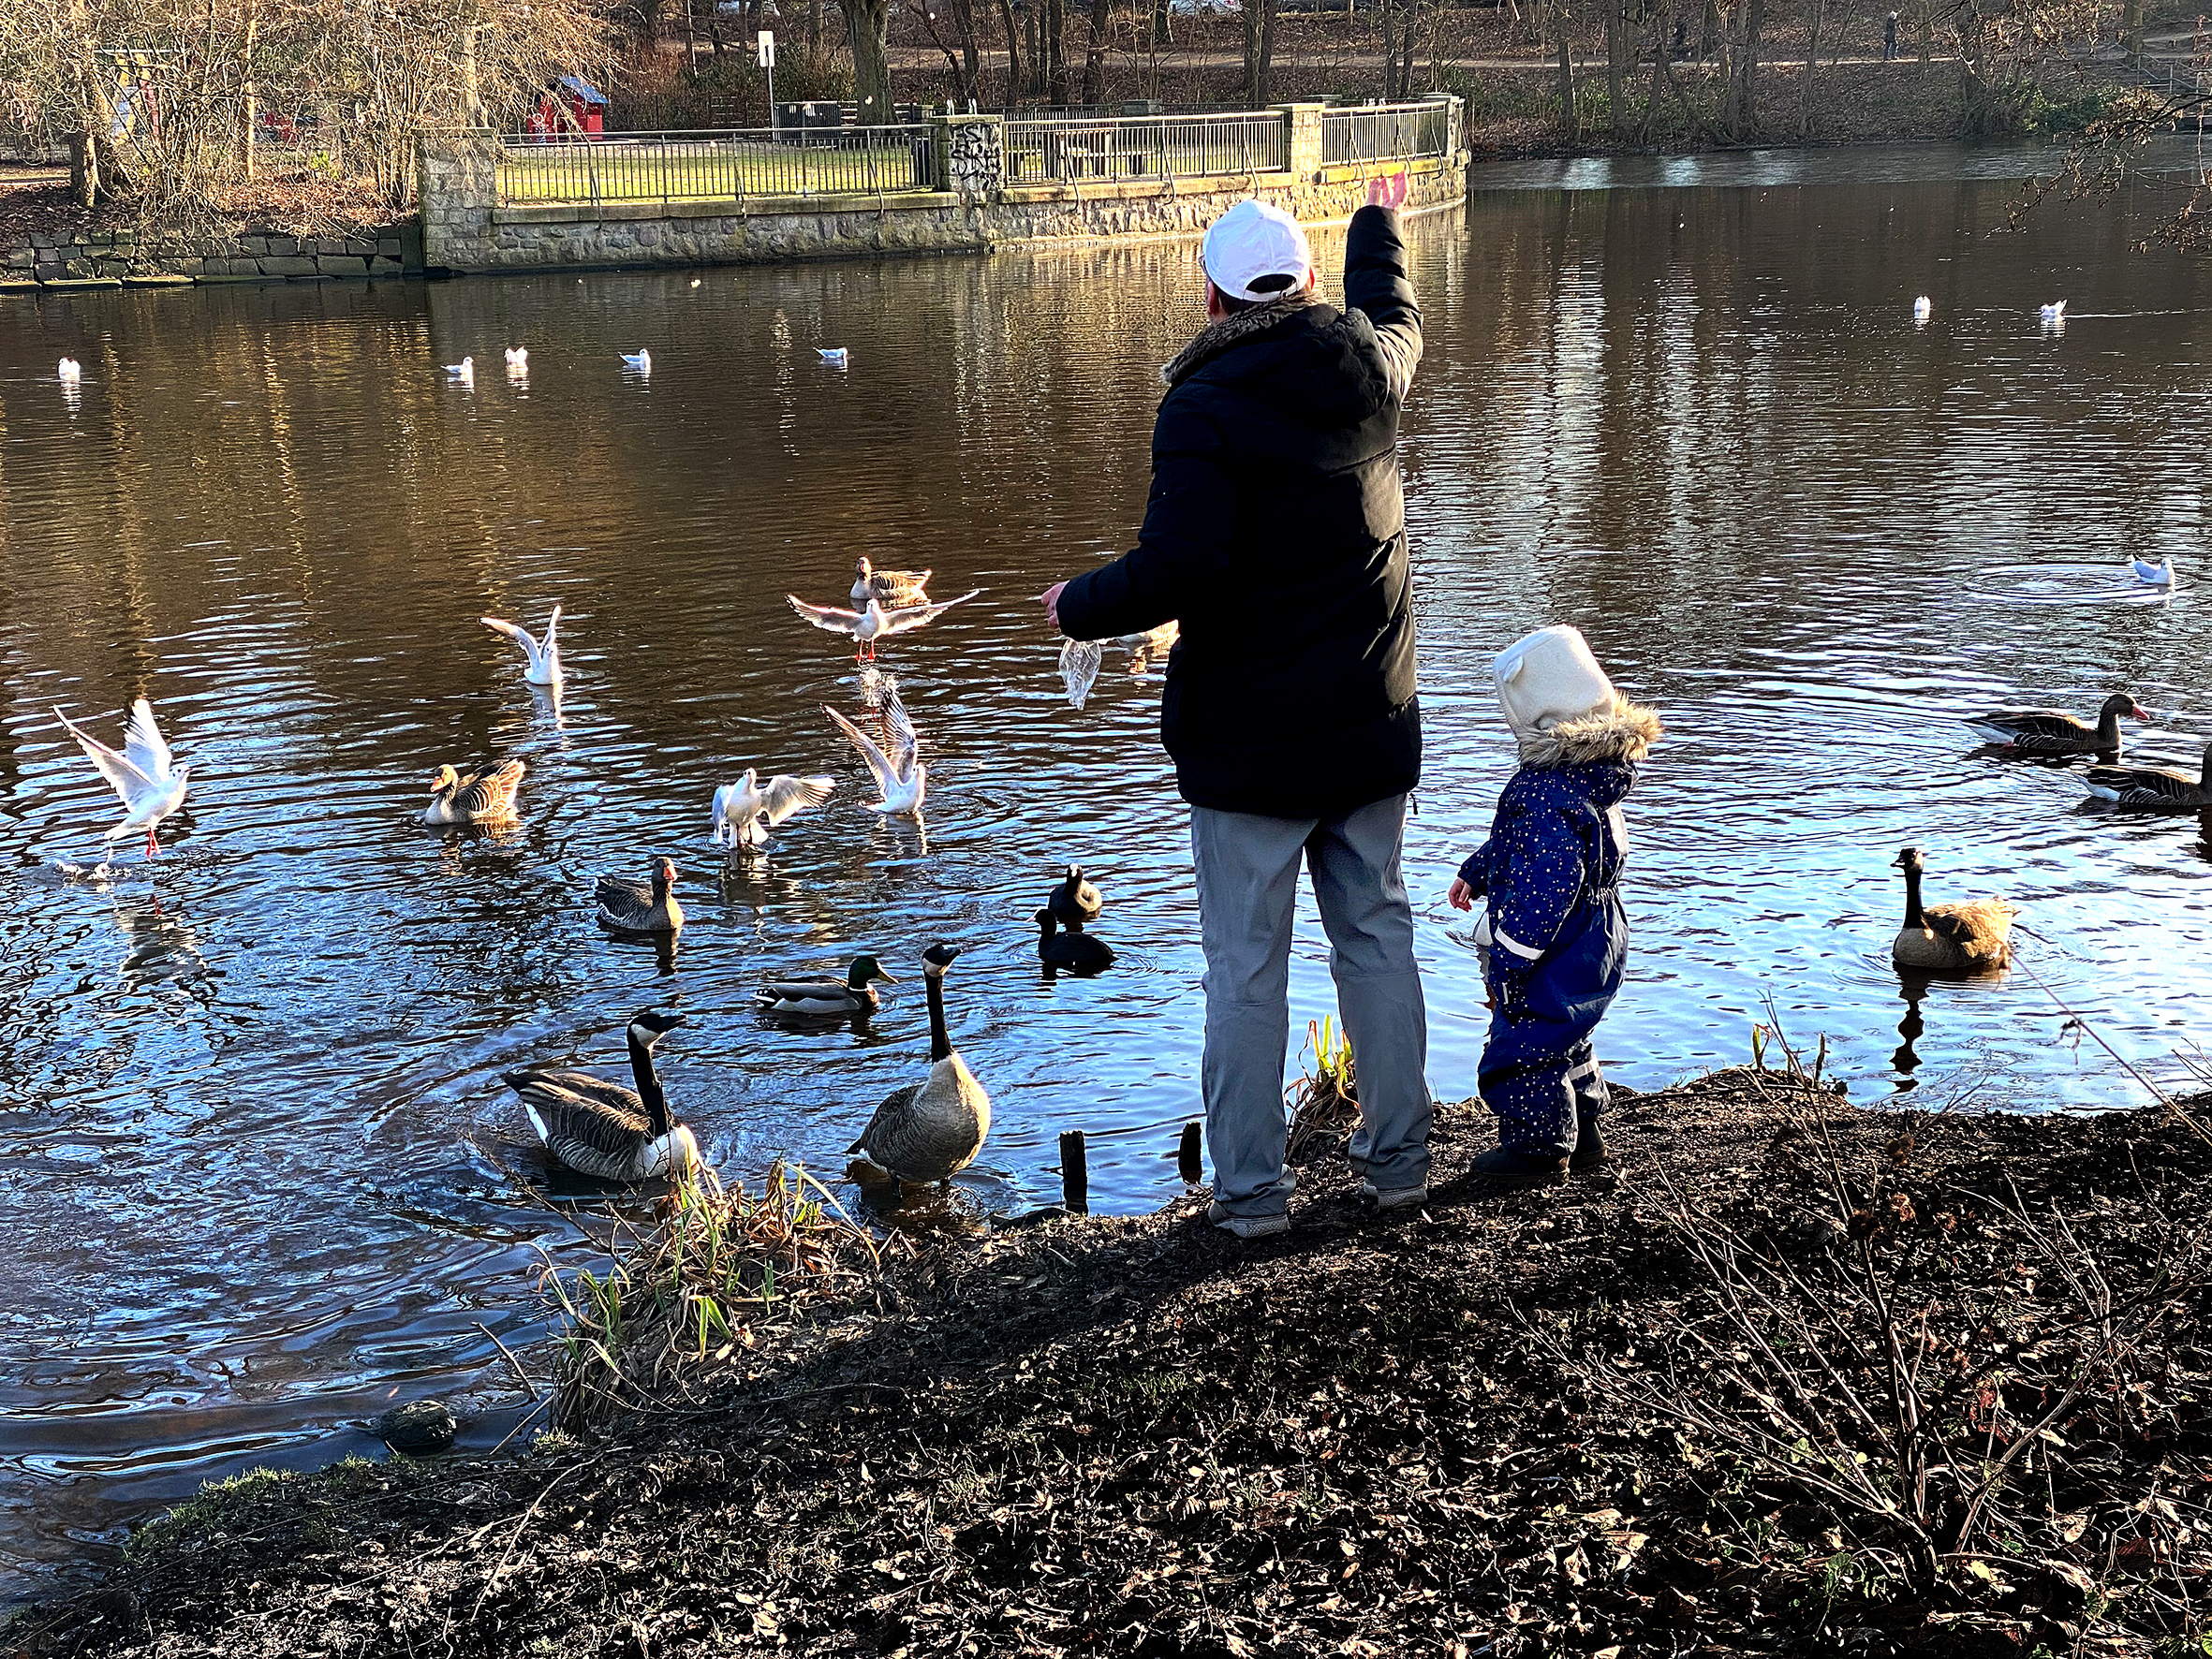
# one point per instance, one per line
(1252, 241)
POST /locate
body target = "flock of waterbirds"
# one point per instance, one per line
(923, 1133)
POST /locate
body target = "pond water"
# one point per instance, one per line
(256, 1159)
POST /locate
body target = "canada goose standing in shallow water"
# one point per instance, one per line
(1973, 937)
(1075, 951)
(641, 907)
(826, 998)
(1075, 900)
(928, 1131)
(474, 797)
(602, 1129)
(2045, 731)
(2154, 786)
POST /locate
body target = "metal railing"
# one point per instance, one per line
(1146, 147)
(1386, 132)
(714, 166)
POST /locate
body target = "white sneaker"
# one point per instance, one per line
(1249, 1227)
(1392, 1198)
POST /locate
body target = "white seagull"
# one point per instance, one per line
(544, 655)
(69, 369)
(900, 776)
(2054, 312)
(1923, 308)
(518, 360)
(639, 360)
(740, 807)
(835, 354)
(464, 371)
(2159, 575)
(145, 774)
(864, 627)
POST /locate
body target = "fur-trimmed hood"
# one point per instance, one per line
(1624, 732)
(1216, 338)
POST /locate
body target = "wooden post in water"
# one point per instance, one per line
(1186, 1163)
(1075, 1174)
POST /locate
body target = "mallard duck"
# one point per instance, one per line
(1969, 938)
(893, 588)
(929, 1130)
(1075, 951)
(741, 807)
(145, 774)
(835, 998)
(542, 656)
(474, 797)
(602, 1129)
(2045, 731)
(872, 622)
(900, 776)
(1075, 900)
(2153, 786)
(1082, 659)
(641, 907)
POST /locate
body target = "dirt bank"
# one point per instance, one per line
(1714, 1409)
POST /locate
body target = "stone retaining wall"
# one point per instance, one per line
(104, 258)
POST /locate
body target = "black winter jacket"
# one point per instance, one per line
(1276, 533)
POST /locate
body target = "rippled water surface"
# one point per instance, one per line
(257, 1169)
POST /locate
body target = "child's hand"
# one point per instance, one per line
(1461, 897)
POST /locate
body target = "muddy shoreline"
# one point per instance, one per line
(1445, 1434)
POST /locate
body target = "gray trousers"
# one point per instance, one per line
(1247, 889)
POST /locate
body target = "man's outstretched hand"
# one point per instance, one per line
(1050, 599)
(1387, 190)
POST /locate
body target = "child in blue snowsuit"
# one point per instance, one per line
(1553, 935)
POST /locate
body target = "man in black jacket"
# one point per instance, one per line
(1276, 535)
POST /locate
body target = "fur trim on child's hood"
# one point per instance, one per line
(1563, 710)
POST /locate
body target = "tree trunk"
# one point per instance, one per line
(1056, 50)
(1094, 57)
(1747, 79)
(814, 28)
(1616, 73)
(2132, 29)
(1013, 51)
(865, 24)
(1812, 62)
(1568, 124)
(1260, 51)
(1389, 16)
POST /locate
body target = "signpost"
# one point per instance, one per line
(768, 63)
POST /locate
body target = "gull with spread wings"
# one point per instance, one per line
(145, 773)
(900, 775)
(864, 627)
(542, 656)
(747, 810)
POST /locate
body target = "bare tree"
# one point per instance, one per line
(1094, 57)
(866, 26)
(1259, 51)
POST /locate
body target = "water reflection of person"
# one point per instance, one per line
(1276, 533)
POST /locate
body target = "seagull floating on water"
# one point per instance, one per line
(464, 371)
(900, 776)
(69, 369)
(2159, 575)
(544, 655)
(2054, 312)
(145, 773)
(639, 360)
(1923, 308)
(834, 354)
(866, 627)
(518, 360)
(740, 807)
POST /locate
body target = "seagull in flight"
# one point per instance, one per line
(900, 776)
(145, 773)
(866, 627)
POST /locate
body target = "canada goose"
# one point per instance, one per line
(853, 994)
(900, 776)
(929, 1130)
(542, 656)
(893, 588)
(599, 1128)
(2153, 786)
(873, 622)
(474, 797)
(145, 774)
(1075, 900)
(641, 907)
(1075, 951)
(741, 807)
(2045, 731)
(1969, 938)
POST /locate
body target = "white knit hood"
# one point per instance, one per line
(1562, 709)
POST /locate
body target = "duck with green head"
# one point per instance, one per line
(853, 994)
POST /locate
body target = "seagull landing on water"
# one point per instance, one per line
(740, 807)
(544, 655)
(900, 776)
(145, 774)
(1923, 308)
(836, 355)
(518, 360)
(2053, 312)
(2159, 575)
(866, 627)
(639, 360)
(69, 369)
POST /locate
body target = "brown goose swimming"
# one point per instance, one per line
(474, 797)
(641, 907)
(894, 590)
(602, 1129)
(2154, 786)
(1972, 938)
(2046, 731)
(929, 1130)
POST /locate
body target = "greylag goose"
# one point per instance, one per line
(1075, 951)
(542, 657)
(474, 797)
(900, 776)
(893, 588)
(740, 808)
(145, 774)
(1075, 900)
(641, 907)
(1972, 938)
(2045, 731)
(930, 1130)
(872, 622)
(2154, 786)
(602, 1129)
(853, 994)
